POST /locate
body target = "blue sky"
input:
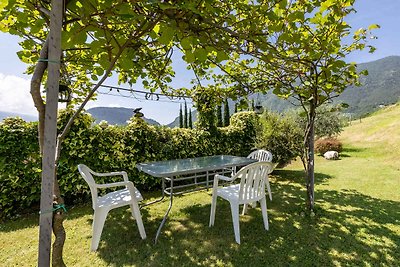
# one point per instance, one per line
(14, 85)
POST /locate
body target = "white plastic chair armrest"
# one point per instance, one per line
(222, 177)
(124, 183)
(218, 177)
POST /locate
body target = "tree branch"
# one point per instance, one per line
(36, 81)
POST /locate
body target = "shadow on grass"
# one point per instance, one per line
(297, 176)
(349, 229)
(31, 219)
(347, 151)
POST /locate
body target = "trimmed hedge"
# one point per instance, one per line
(105, 148)
(20, 166)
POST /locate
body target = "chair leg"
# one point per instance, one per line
(235, 219)
(269, 189)
(213, 208)
(263, 203)
(244, 209)
(138, 217)
(99, 218)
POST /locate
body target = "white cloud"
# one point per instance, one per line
(15, 96)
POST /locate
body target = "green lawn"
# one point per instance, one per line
(357, 219)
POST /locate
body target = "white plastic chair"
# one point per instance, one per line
(261, 155)
(103, 204)
(250, 189)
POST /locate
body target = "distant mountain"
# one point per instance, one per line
(115, 115)
(380, 87)
(25, 117)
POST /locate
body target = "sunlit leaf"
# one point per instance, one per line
(201, 54)
(3, 4)
(373, 26)
(189, 57)
(167, 34)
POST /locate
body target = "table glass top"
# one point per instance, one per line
(191, 165)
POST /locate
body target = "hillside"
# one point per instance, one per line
(115, 115)
(380, 87)
(369, 164)
(381, 130)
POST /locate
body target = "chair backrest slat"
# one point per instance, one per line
(252, 180)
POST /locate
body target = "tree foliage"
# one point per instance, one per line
(302, 57)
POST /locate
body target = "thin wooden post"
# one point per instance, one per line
(50, 133)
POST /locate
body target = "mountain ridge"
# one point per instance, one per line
(115, 115)
(25, 117)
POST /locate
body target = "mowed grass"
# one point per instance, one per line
(357, 220)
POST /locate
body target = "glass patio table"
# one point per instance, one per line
(191, 174)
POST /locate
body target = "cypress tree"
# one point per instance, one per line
(185, 119)
(226, 113)
(190, 119)
(219, 116)
(180, 117)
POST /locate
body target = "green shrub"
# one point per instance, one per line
(327, 144)
(281, 135)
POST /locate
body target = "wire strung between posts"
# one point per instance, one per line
(146, 96)
(141, 99)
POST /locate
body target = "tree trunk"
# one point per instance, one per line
(309, 153)
(310, 168)
(58, 227)
(49, 124)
